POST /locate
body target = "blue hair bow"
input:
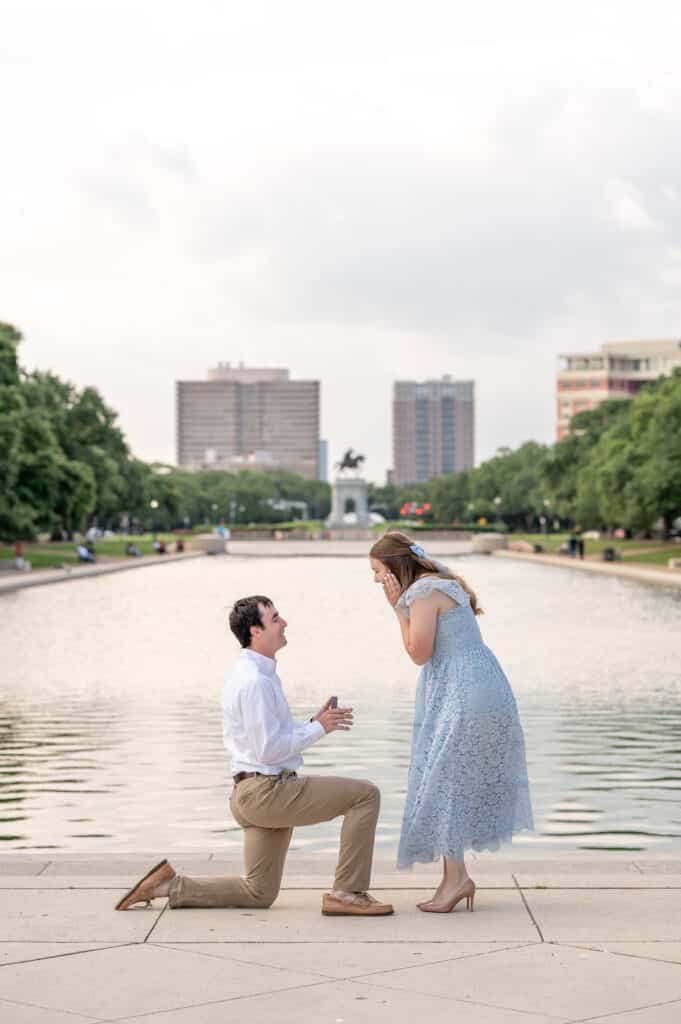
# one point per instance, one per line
(417, 550)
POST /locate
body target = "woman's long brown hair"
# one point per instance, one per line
(393, 549)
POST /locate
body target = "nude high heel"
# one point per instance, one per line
(467, 890)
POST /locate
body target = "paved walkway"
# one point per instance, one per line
(595, 940)
(333, 548)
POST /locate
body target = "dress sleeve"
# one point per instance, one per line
(425, 587)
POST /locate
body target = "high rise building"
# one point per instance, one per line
(323, 465)
(618, 370)
(433, 428)
(247, 417)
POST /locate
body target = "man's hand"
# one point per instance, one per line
(334, 718)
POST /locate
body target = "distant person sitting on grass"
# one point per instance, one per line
(19, 556)
(85, 554)
(160, 546)
(179, 545)
(132, 550)
(269, 798)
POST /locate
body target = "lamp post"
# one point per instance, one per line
(153, 505)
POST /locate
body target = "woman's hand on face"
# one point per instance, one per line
(391, 589)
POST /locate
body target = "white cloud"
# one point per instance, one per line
(626, 208)
(362, 192)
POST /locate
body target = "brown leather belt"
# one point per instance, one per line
(240, 776)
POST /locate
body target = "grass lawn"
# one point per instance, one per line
(649, 552)
(659, 556)
(51, 555)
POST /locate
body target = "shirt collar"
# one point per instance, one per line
(267, 666)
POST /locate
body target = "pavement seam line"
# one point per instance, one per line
(445, 960)
(237, 960)
(622, 1013)
(621, 952)
(146, 937)
(71, 1013)
(340, 981)
(467, 1002)
(73, 952)
(350, 977)
(44, 868)
(216, 1002)
(527, 908)
(325, 942)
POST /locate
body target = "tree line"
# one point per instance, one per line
(65, 464)
(620, 466)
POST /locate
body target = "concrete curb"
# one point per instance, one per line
(641, 573)
(45, 577)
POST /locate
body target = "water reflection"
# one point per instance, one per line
(109, 719)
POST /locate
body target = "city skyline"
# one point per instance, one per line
(293, 190)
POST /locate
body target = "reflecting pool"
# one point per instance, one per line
(110, 733)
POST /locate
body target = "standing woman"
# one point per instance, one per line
(468, 784)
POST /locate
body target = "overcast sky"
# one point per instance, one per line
(361, 191)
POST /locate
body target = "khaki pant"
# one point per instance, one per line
(268, 808)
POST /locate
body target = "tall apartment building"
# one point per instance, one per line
(433, 428)
(247, 417)
(618, 370)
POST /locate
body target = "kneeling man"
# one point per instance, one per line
(269, 798)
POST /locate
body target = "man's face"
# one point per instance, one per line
(272, 636)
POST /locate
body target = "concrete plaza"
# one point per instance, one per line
(594, 938)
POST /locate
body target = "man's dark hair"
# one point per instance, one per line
(245, 614)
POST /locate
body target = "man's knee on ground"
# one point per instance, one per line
(262, 896)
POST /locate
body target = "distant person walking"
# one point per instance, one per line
(468, 786)
(269, 798)
(579, 542)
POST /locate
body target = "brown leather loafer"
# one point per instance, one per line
(142, 891)
(360, 904)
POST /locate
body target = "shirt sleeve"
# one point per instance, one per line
(272, 739)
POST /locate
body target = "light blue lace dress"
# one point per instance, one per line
(468, 785)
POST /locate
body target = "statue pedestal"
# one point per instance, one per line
(349, 495)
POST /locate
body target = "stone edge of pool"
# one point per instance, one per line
(342, 549)
(642, 573)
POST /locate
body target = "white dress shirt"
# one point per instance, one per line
(258, 729)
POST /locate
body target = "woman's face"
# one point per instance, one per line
(379, 570)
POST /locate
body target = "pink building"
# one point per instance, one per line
(619, 370)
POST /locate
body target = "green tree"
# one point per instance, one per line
(655, 488)
(9, 363)
(450, 496)
(633, 473)
(87, 432)
(76, 495)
